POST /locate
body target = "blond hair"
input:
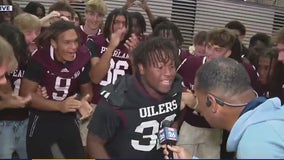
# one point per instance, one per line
(7, 55)
(27, 21)
(97, 5)
(278, 36)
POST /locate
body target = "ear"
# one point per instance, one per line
(141, 69)
(228, 53)
(53, 43)
(213, 104)
(208, 102)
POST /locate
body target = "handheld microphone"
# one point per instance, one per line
(168, 136)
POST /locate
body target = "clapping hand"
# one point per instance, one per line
(85, 109)
(13, 101)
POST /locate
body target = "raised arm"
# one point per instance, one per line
(145, 7)
(100, 66)
(128, 4)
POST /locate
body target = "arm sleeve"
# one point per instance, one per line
(267, 145)
(33, 72)
(84, 77)
(105, 121)
(92, 47)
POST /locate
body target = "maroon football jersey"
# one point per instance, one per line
(83, 36)
(253, 76)
(15, 79)
(183, 56)
(61, 80)
(119, 64)
(188, 70)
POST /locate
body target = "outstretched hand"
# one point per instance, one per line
(85, 109)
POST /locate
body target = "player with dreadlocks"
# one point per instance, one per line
(131, 111)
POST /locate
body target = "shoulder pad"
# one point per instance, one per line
(115, 94)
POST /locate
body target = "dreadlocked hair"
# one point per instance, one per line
(153, 51)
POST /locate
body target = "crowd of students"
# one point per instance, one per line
(102, 89)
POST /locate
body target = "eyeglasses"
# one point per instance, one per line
(222, 102)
